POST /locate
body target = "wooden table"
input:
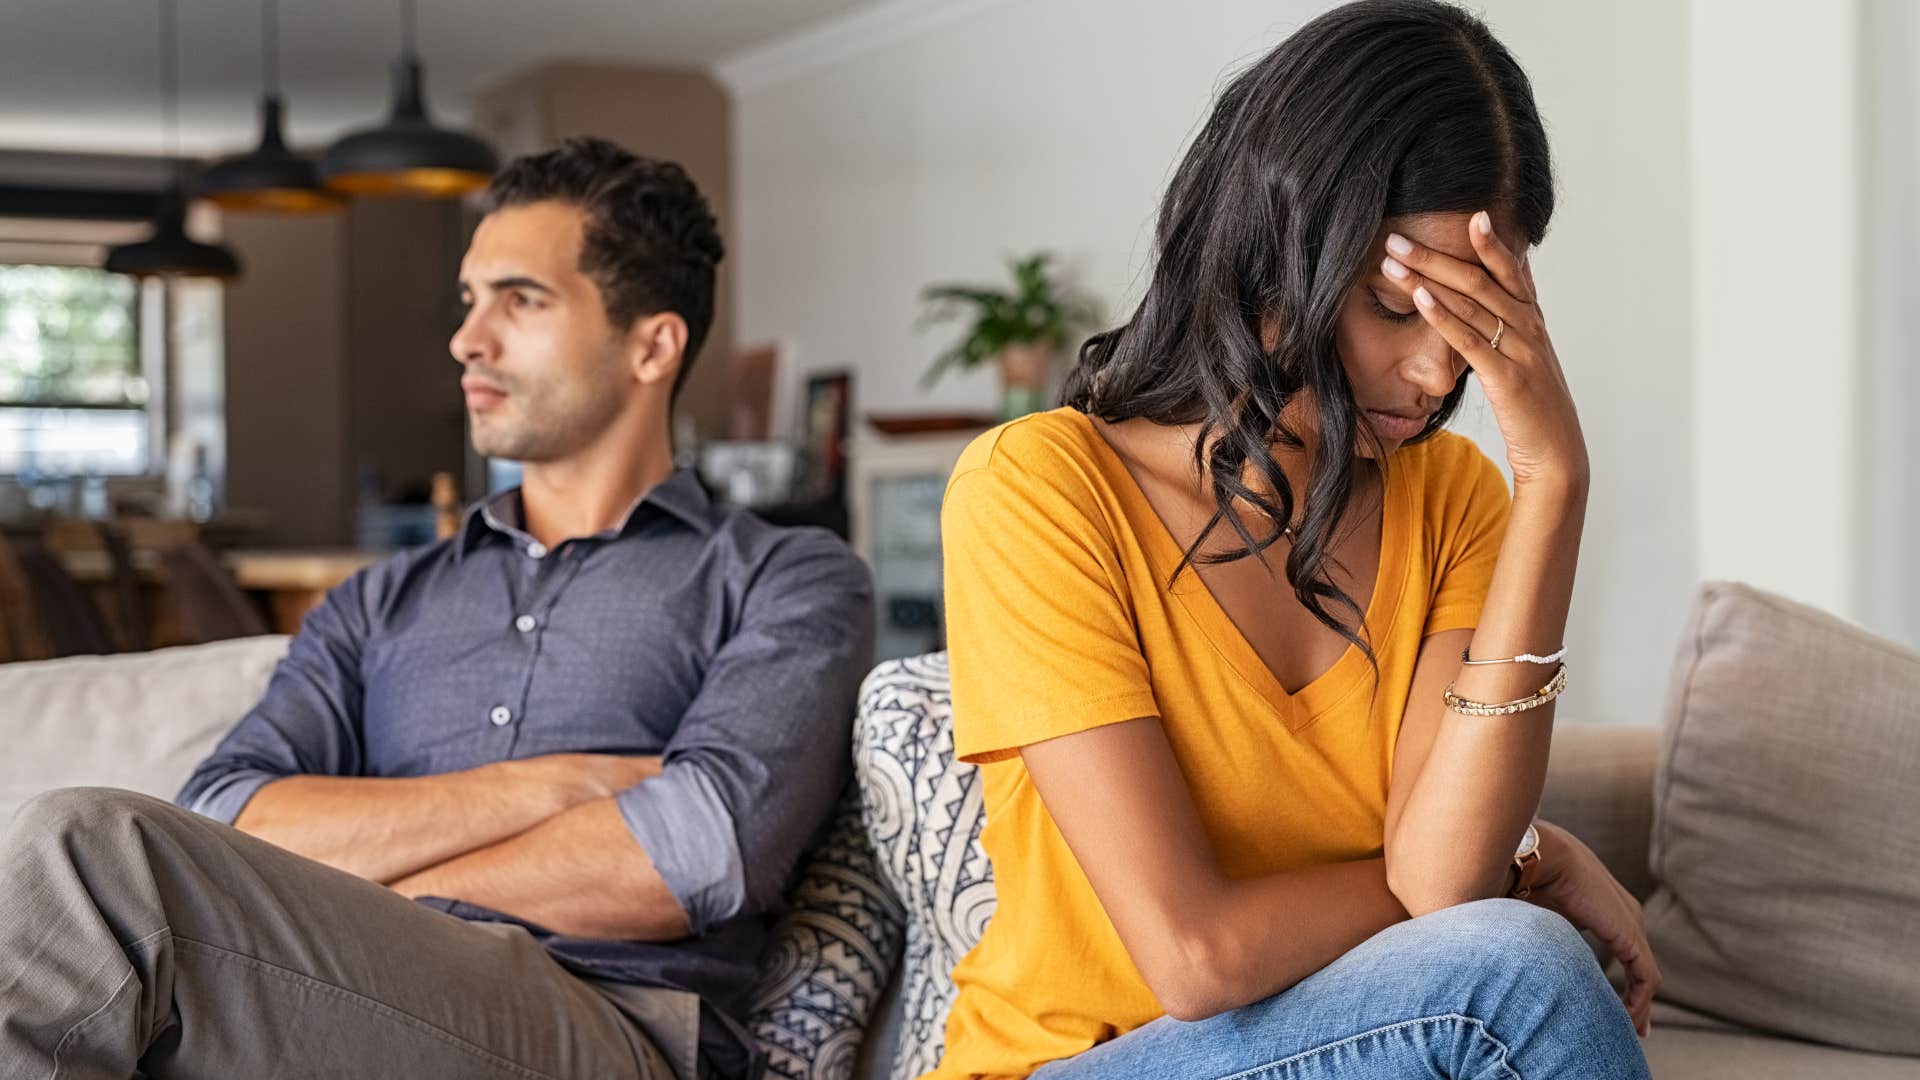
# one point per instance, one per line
(293, 581)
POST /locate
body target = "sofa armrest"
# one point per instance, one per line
(1600, 789)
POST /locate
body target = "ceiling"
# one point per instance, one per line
(83, 75)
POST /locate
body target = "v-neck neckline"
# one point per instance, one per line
(1347, 674)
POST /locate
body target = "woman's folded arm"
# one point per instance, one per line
(1204, 942)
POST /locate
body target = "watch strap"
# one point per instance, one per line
(1526, 864)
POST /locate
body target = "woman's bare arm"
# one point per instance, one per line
(1205, 943)
(1459, 804)
(1464, 787)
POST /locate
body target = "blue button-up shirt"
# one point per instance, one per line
(732, 648)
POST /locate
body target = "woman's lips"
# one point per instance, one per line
(1395, 427)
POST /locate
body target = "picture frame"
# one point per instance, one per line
(825, 408)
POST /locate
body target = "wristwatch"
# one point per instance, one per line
(1526, 862)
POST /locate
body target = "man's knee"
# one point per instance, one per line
(70, 816)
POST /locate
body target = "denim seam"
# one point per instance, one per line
(1258, 1070)
(365, 1002)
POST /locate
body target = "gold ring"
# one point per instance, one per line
(1499, 331)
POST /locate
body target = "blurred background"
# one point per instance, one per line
(227, 278)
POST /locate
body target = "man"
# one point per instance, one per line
(521, 803)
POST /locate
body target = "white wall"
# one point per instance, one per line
(1776, 92)
(933, 151)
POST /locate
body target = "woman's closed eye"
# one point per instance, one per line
(1381, 309)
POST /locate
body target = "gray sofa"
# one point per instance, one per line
(897, 888)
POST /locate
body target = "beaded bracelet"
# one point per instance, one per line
(1526, 657)
(1553, 689)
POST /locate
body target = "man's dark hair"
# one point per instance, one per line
(651, 242)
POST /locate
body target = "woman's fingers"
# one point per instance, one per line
(1460, 304)
(1617, 919)
(1636, 994)
(1465, 338)
(1501, 264)
(1642, 970)
(1467, 278)
(1644, 976)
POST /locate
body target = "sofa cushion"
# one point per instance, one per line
(923, 814)
(1783, 843)
(1683, 1052)
(140, 721)
(1600, 789)
(831, 957)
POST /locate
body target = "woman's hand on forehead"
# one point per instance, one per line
(1488, 310)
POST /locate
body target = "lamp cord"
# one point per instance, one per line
(270, 46)
(169, 83)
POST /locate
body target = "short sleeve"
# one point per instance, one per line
(1040, 632)
(1473, 522)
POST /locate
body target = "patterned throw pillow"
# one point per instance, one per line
(923, 814)
(830, 958)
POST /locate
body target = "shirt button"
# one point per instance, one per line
(536, 550)
(524, 624)
(500, 716)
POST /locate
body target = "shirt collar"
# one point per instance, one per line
(680, 496)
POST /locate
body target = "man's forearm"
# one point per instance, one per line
(580, 873)
(384, 828)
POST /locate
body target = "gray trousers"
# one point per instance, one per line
(135, 935)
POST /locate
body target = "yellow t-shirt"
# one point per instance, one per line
(1059, 619)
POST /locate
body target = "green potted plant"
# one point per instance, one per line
(1022, 330)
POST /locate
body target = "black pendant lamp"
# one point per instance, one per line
(270, 177)
(408, 155)
(170, 252)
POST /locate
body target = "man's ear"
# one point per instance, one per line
(655, 346)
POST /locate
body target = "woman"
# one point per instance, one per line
(1251, 809)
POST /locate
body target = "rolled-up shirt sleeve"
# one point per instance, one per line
(307, 722)
(762, 752)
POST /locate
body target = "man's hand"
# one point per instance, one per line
(587, 776)
(579, 873)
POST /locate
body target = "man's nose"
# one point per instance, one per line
(470, 341)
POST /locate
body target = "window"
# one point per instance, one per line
(73, 395)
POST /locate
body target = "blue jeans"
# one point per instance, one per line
(1495, 988)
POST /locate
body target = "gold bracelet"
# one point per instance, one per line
(1553, 689)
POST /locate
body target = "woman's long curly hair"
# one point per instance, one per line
(1377, 109)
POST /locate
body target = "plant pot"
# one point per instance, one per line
(1023, 379)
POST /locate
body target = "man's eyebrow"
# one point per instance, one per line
(515, 282)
